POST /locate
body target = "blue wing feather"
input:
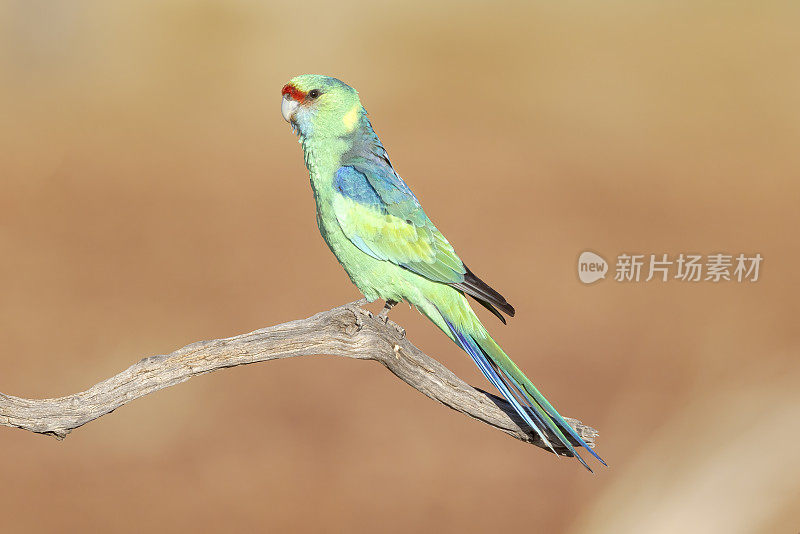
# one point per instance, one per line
(352, 183)
(367, 177)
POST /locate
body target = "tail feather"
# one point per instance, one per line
(543, 402)
(515, 387)
(478, 356)
(556, 424)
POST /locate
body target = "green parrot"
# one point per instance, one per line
(391, 250)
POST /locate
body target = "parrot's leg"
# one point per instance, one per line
(384, 315)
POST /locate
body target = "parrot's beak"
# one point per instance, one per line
(288, 107)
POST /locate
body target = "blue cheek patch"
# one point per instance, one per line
(304, 119)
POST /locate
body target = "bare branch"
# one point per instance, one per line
(347, 331)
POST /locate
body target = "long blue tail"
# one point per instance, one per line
(515, 387)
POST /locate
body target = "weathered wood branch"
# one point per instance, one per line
(348, 331)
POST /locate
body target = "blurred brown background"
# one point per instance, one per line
(152, 196)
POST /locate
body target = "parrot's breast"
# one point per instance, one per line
(376, 279)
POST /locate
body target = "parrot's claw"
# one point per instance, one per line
(384, 315)
(400, 329)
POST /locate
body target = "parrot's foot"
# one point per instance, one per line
(384, 315)
(400, 329)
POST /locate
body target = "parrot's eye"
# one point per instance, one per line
(314, 93)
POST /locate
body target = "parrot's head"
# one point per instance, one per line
(320, 106)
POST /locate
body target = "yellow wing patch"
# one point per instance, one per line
(386, 236)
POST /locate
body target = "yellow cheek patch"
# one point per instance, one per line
(350, 119)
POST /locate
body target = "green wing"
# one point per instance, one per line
(420, 248)
(381, 216)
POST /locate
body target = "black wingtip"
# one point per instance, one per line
(493, 310)
(485, 294)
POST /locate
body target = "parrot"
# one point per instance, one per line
(390, 249)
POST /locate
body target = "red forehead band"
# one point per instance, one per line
(293, 92)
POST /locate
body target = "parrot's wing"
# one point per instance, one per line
(381, 216)
(397, 231)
